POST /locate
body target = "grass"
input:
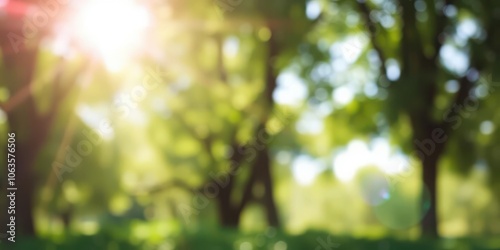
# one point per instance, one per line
(232, 240)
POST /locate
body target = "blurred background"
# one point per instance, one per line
(239, 124)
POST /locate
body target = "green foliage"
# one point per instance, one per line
(224, 239)
(215, 69)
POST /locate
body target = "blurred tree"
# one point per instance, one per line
(417, 41)
(32, 123)
(31, 110)
(276, 32)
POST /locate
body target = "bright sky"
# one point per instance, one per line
(110, 30)
(347, 162)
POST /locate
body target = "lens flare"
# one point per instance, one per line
(404, 209)
(375, 188)
(113, 30)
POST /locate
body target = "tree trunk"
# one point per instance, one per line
(429, 177)
(264, 160)
(228, 215)
(28, 145)
(260, 173)
(30, 126)
(25, 183)
(430, 148)
(22, 117)
(264, 164)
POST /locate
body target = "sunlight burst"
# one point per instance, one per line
(112, 30)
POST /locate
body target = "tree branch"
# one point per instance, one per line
(440, 27)
(61, 91)
(372, 30)
(248, 191)
(459, 100)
